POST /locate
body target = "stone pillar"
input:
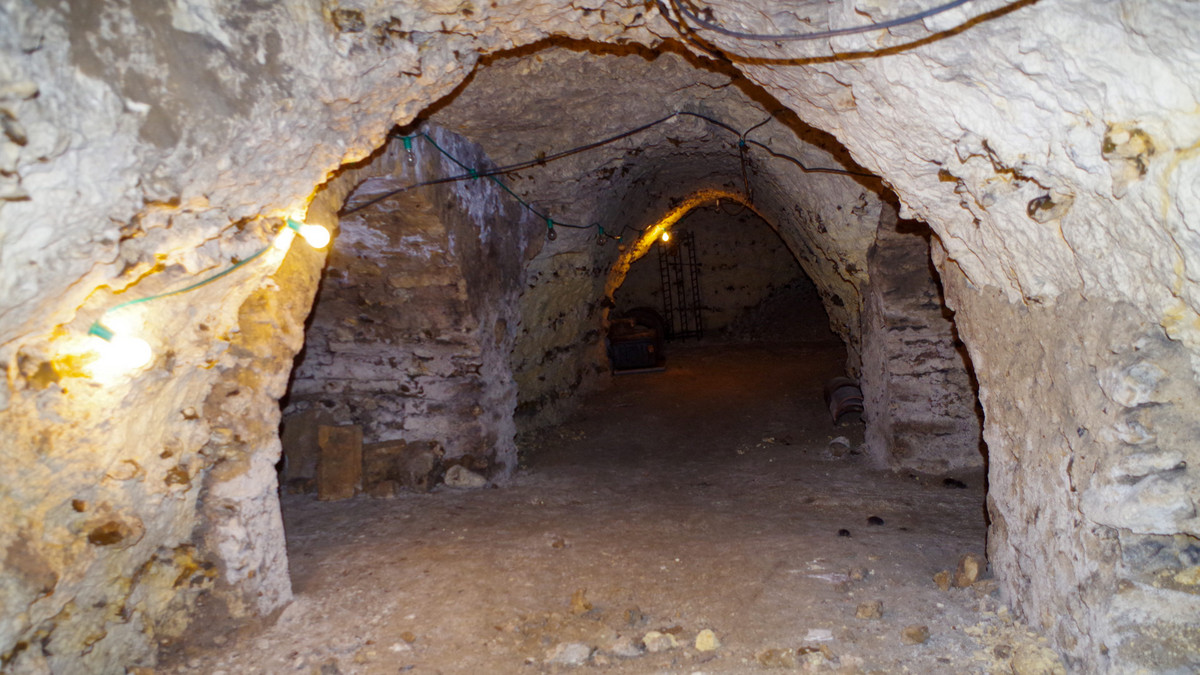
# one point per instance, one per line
(242, 525)
(919, 399)
(413, 328)
(1091, 430)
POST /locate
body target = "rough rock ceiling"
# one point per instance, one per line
(1004, 109)
(552, 97)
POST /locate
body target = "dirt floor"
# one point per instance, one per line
(705, 498)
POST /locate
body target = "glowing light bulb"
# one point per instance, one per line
(283, 240)
(316, 235)
(119, 353)
(666, 237)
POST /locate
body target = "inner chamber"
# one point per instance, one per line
(465, 333)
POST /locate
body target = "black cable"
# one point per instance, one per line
(583, 148)
(743, 153)
(748, 131)
(807, 169)
(540, 161)
(681, 7)
(406, 188)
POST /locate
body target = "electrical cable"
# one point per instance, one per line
(472, 173)
(751, 129)
(493, 176)
(100, 330)
(126, 352)
(743, 155)
(192, 287)
(681, 6)
(123, 352)
(808, 169)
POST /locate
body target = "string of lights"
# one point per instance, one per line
(125, 352)
(472, 173)
(122, 352)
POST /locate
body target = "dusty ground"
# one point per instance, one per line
(705, 497)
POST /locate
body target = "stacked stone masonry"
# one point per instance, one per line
(410, 334)
(917, 382)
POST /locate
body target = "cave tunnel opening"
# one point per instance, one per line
(458, 341)
(155, 157)
(750, 285)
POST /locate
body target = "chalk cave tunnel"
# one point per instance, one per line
(1047, 307)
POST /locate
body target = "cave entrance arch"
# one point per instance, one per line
(405, 371)
(491, 240)
(428, 222)
(920, 395)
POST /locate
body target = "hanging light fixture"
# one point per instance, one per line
(119, 352)
(316, 235)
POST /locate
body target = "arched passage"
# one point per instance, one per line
(408, 343)
(745, 273)
(1054, 173)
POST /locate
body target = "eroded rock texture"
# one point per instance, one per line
(916, 377)
(411, 333)
(514, 108)
(1050, 146)
(1101, 467)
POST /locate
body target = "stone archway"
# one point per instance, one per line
(411, 332)
(1054, 173)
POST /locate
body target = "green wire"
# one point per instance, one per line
(475, 174)
(192, 287)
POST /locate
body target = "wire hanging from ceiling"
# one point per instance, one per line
(687, 14)
(493, 174)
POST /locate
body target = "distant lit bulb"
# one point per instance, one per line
(316, 235)
(666, 237)
(120, 353)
